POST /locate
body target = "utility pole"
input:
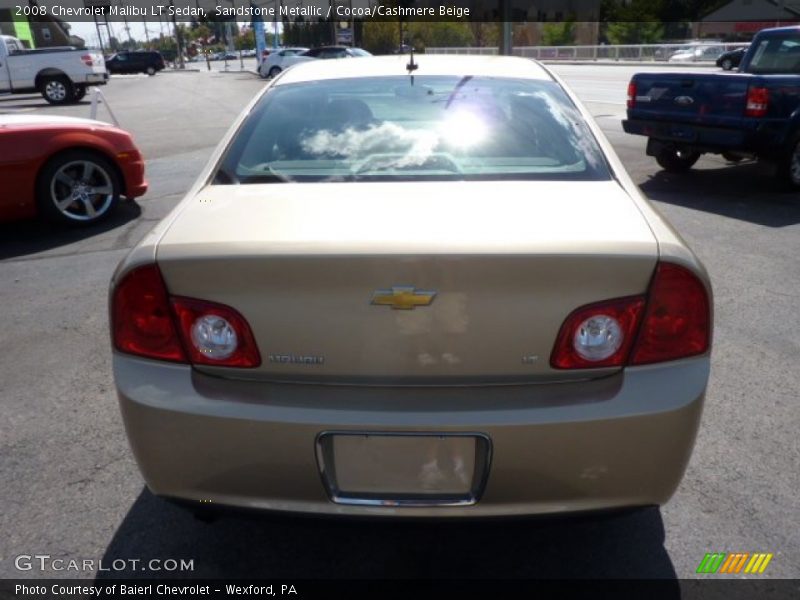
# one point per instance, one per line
(127, 27)
(203, 41)
(333, 23)
(505, 15)
(178, 40)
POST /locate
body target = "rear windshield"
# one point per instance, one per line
(420, 128)
(777, 55)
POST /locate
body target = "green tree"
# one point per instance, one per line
(558, 34)
(485, 34)
(627, 32)
(380, 37)
(445, 34)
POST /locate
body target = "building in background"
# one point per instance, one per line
(740, 20)
(542, 14)
(38, 32)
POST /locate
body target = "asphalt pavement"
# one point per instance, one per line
(70, 487)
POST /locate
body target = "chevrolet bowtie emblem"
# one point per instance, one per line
(403, 297)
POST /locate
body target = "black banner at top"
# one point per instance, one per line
(517, 11)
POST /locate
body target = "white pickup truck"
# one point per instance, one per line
(61, 74)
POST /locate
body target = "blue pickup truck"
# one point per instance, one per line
(753, 113)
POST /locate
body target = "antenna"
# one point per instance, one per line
(411, 66)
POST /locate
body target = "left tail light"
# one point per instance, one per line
(147, 322)
(141, 319)
(215, 334)
(631, 94)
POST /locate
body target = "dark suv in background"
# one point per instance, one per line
(135, 62)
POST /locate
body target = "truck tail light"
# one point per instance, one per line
(87, 60)
(673, 321)
(146, 322)
(631, 94)
(757, 102)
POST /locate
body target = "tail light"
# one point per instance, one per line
(672, 322)
(141, 320)
(146, 322)
(598, 335)
(215, 334)
(757, 102)
(87, 60)
(677, 321)
(631, 94)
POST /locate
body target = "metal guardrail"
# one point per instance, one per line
(704, 52)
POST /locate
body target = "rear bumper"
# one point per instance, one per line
(763, 138)
(680, 133)
(97, 78)
(621, 441)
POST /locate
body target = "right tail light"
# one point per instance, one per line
(673, 321)
(677, 319)
(757, 101)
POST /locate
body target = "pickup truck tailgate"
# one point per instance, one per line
(713, 100)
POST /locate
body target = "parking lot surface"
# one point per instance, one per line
(70, 487)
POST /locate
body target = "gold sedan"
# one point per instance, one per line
(413, 287)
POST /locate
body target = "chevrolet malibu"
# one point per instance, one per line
(413, 287)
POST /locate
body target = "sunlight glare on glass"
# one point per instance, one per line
(463, 129)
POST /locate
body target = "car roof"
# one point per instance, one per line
(778, 30)
(427, 64)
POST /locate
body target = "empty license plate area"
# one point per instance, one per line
(391, 469)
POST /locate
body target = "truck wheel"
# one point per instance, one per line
(789, 167)
(80, 92)
(56, 90)
(77, 188)
(676, 160)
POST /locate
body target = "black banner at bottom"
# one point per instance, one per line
(705, 589)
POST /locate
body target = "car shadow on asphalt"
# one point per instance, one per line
(618, 545)
(21, 238)
(748, 192)
(17, 103)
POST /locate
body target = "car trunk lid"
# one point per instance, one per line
(315, 269)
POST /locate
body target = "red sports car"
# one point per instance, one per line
(69, 170)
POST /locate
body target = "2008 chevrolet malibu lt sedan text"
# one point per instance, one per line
(402, 291)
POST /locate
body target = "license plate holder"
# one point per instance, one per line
(404, 469)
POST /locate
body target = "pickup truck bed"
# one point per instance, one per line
(61, 74)
(755, 114)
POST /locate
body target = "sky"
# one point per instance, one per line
(89, 33)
